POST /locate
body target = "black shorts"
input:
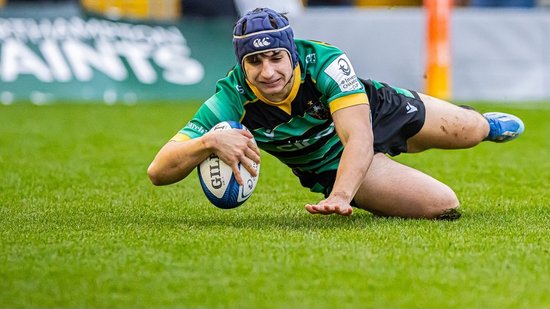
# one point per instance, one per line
(397, 114)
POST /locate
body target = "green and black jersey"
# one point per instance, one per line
(299, 131)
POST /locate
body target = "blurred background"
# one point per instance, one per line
(130, 51)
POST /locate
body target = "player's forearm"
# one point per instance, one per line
(176, 160)
(354, 164)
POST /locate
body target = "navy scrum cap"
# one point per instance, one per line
(263, 30)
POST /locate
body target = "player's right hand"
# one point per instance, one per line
(234, 147)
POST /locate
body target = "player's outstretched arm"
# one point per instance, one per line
(176, 160)
(355, 132)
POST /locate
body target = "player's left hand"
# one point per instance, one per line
(331, 205)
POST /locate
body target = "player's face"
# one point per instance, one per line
(270, 73)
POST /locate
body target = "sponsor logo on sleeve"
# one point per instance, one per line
(196, 128)
(341, 71)
(311, 58)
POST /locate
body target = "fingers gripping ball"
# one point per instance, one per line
(218, 181)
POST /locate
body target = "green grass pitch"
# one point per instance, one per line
(82, 227)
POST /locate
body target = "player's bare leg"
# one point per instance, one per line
(393, 189)
(448, 126)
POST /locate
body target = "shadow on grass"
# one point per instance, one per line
(264, 221)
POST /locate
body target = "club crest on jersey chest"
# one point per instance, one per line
(317, 110)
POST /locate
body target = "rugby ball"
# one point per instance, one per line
(217, 180)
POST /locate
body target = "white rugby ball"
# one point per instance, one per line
(217, 179)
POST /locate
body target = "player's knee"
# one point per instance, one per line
(445, 206)
(450, 214)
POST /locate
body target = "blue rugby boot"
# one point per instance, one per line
(503, 127)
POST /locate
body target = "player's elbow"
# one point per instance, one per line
(162, 174)
(155, 175)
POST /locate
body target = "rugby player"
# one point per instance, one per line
(304, 104)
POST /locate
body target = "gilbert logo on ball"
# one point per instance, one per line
(217, 179)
